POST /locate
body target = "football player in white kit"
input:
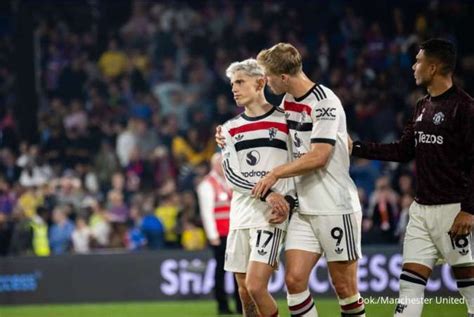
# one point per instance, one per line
(328, 219)
(256, 141)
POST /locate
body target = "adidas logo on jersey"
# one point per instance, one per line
(239, 137)
(262, 252)
(420, 117)
(463, 251)
(338, 250)
(400, 308)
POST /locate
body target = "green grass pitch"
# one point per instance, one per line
(326, 308)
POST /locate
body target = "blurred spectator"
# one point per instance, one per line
(81, 236)
(380, 221)
(152, 230)
(8, 131)
(163, 166)
(112, 63)
(406, 201)
(147, 139)
(6, 231)
(364, 173)
(7, 198)
(147, 228)
(54, 146)
(167, 211)
(136, 168)
(105, 164)
(191, 150)
(69, 190)
(30, 200)
(76, 118)
(117, 210)
(39, 223)
(61, 232)
(8, 168)
(117, 213)
(126, 142)
(72, 80)
(405, 184)
(99, 225)
(192, 234)
(22, 236)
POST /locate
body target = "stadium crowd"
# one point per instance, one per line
(127, 120)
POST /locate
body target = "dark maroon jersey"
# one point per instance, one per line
(440, 137)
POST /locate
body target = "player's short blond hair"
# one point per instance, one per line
(282, 58)
(248, 66)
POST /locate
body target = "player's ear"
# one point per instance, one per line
(261, 81)
(434, 67)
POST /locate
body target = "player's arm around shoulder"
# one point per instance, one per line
(326, 116)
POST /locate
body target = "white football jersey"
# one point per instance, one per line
(318, 117)
(254, 146)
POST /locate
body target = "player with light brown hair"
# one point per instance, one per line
(328, 219)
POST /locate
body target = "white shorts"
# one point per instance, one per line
(427, 240)
(261, 244)
(337, 236)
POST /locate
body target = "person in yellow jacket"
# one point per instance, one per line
(191, 150)
(113, 62)
(40, 232)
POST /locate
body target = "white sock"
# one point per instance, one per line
(302, 304)
(412, 294)
(352, 306)
(466, 288)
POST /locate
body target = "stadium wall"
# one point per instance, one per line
(171, 275)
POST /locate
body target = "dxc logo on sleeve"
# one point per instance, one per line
(326, 113)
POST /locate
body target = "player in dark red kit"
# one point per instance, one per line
(440, 137)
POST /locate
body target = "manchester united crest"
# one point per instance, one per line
(438, 118)
(272, 132)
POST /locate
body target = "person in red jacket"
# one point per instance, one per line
(214, 203)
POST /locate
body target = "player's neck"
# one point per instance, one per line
(300, 85)
(439, 86)
(257, 107)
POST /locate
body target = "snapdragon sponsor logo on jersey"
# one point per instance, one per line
(326, 113)
(297, 141)
(253, 157)
(426, 138)
(253, 173)
(297, 155)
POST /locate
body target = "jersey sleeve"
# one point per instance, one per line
(231, 166)
(326, 118)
